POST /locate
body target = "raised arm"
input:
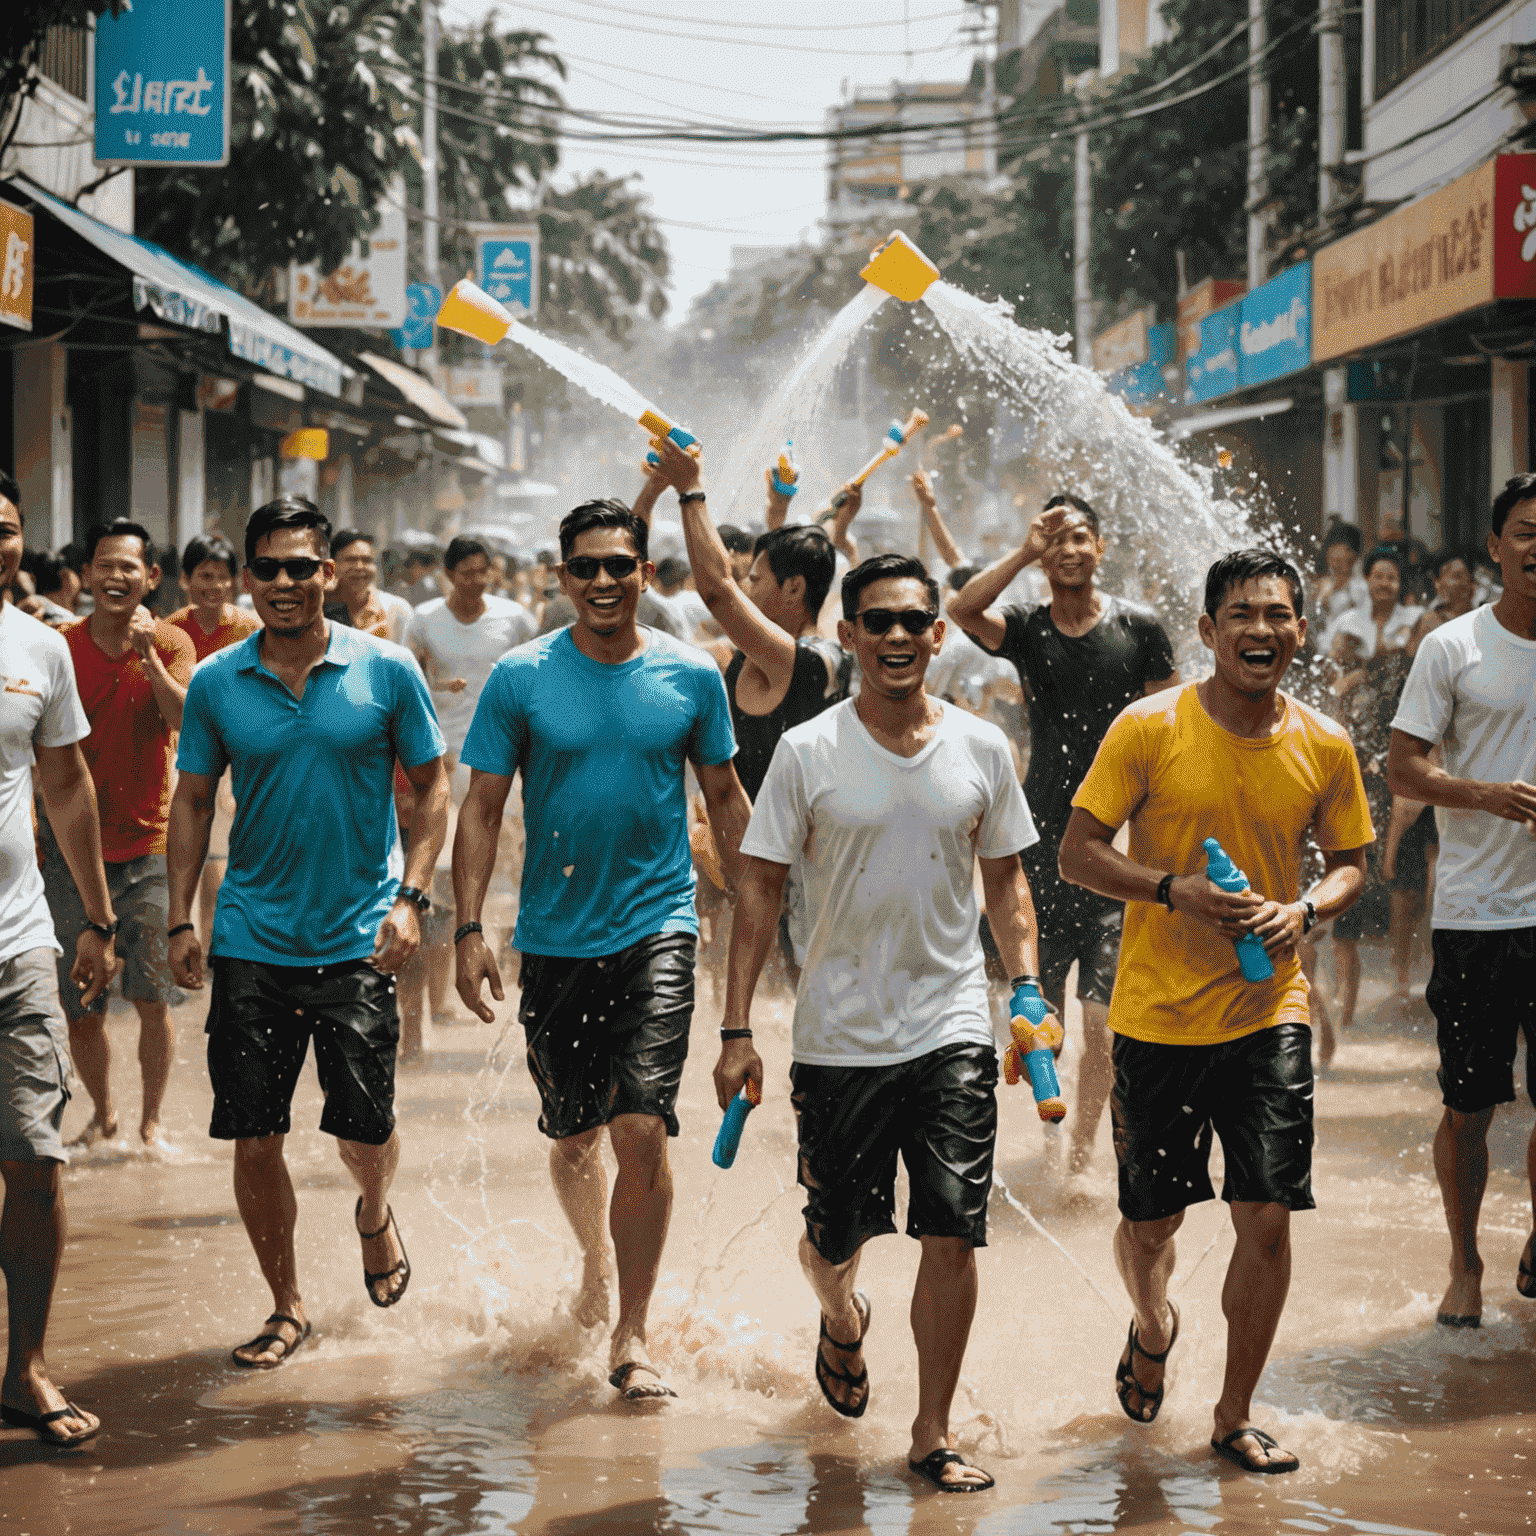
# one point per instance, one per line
(167, 683)
(973, 606)
(949, 552)
(845, 507)
(644, 504)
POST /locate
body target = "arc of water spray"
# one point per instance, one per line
(1050, 1237)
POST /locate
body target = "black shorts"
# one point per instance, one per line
(1413, 853)
(1254, 1092)
(260, 1021)
(608, 1036)
(938, 1111)
(1090, 938)
(1483, 999)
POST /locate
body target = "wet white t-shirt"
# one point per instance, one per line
(1473, 690)
(886, 847)
(39, 706)
(455, 649)
(1359, 623)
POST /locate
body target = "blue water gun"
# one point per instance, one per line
(728, 1138)
(1252, 958)
(1036, 1034)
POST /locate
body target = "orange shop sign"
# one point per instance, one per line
(1455, 250)
(16, 253)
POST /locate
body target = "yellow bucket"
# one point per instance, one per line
(307, 443)
(901, 269)
(471, 311)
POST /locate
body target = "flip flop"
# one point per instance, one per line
(1125, 1373)
(403, 1268)
(1227, 1446)
(19, 1418)
(827, 1373)
(1459, 1319)
(262, 1339)
(1528, 1275)
(932, 1467)
(619, 1380)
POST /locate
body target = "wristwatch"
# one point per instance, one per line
(106, 930)
(417, 896)
(1309, 920)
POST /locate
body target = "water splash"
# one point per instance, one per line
(599, 381)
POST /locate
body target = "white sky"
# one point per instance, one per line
(781, 64)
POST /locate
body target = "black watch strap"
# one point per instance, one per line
(1024, 981)
(464, 930)
(1165, 889)
(416, 896)
(106, 930)
(735, 1034)
(1309, 922)
(688, 496)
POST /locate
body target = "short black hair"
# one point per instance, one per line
(800, 549)
(47, 571)
(605, 513)
(961, 574)
(119, 528)
(9, 490)
(462, 548)
(209, 546)
(1249, 565)
(1067, 499)
(737, 540)
(74, 557)
(1375, 558)
(287, 512)
(421, 554)
(1344, 533)
(1442, 558)
(345, 536)
(1516, 489)
(885, 568)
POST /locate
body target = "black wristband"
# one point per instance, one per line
(465, 929)
(171, 933)
(1309, 915)
(688, 496)
(1021, 981)
(105, 930)
(1165, 890)
(735, 1034)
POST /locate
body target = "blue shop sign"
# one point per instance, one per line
(506, 260)
(1275, 328)
(422, 302)
(160, 83)
(1212, 371)
(1142, 383)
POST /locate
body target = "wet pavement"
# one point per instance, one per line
(478, 1405)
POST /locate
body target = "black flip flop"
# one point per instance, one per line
(403, 1268)
(827, 1373)
(1125, 1373)
(19, 1418)
(1526, 1273)
(932, 1467)
(1458, 1320)
(262, 1339)
(648, 1393)
(1227, 1446)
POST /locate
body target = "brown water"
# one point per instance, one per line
(477, 1406)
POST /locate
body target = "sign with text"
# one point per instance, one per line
(474, 384)
(367, 289)
(507, 265)
(1274, 331)
(160, 83)
(1123, 345)
(422, 302)
(16, 265)
(1203, 299)
(1212, 370)
(1514, 227)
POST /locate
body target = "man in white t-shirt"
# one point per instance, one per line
(884, 803)
(41, 718)
(1472, 693)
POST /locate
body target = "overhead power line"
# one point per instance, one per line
(783, 26)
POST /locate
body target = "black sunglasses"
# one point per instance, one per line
(914, 620)
(265, 568)
(585, 567)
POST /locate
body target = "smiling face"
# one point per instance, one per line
(1073, 555)
(605, 604)
(1515, 550)
(118, 575)
(1255, 634)
(285, 606)
(893, 664)
(357, 569)
(210, 586)
(1384, 583)
(1453, 583)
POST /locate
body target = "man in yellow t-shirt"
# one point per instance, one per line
(1198, 1050)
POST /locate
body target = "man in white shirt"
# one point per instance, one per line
(41, 717)
(1472, 693)
(884, 802)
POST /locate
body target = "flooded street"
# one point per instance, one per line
(477, 1405)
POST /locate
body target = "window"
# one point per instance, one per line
(1411, 32)
(63, 59)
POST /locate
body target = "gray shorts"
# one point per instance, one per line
(142, 901)
(34, 1059)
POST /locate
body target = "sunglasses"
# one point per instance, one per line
(265, 568)
(914, 620)
(586, 567)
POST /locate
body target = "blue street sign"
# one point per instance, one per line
(160, 83)
(422, 302)
(1212, 371)
(1275, 332)
(505, 263)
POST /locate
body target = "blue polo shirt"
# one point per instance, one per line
(309, 878)
(602, 750)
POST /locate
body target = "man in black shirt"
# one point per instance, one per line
(1081, 659)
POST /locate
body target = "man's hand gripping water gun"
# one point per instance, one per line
(1037, 1033)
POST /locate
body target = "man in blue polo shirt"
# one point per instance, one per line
(602, 719)
(313, 919)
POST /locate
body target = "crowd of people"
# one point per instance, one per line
(297, 798)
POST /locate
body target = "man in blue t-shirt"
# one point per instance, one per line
(601, 719)
(313, 919)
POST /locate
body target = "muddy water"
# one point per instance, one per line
(477, 1406)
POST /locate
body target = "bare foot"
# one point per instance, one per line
(96, 1129)
(591, 1307)
(1462, 1305)
(149, 1132)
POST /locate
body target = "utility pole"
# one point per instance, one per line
(429, 230)
(1330, 95)
(1082, 233)
(1258, 134)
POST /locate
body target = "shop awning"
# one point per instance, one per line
(1208, 421)
(180, 294)
(426, 397)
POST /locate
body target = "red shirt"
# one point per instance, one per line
(129, 748)
(234, 625)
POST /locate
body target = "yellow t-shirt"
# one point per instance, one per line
(1178, 778)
